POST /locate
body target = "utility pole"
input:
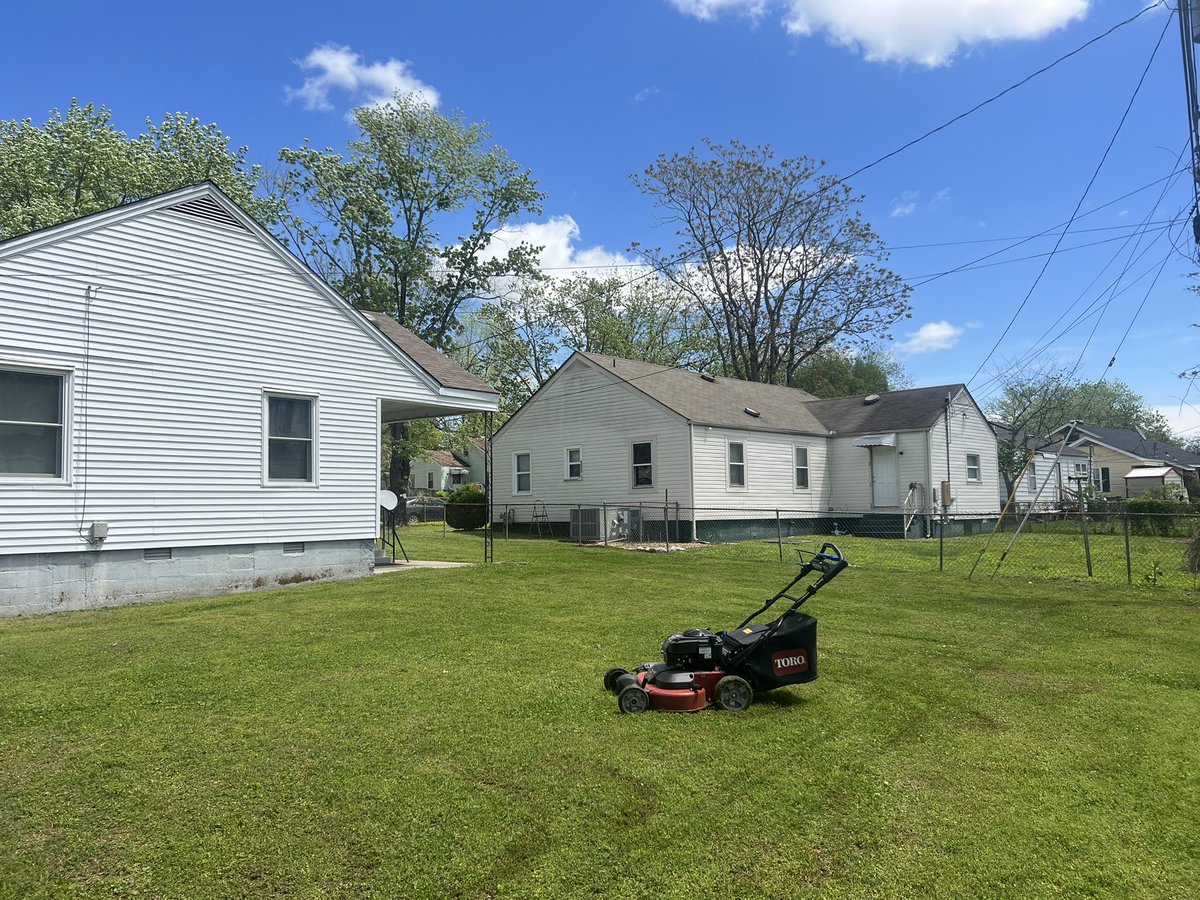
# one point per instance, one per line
(1189, 36)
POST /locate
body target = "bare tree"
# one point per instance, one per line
(774, 253)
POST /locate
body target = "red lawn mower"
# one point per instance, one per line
(725, 669)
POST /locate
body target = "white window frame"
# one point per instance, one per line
(632, 466)
(516, 473)
(978, 467)
(66, 425)
(729, 464)
(567, 476)
(1098, 479)
(796, 467)
(1031, 481)
(314, 440)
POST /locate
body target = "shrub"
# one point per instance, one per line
(466, 509)
(1156, 512)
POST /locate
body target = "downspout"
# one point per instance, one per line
(692, 479)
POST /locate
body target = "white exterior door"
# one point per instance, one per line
(885, 487)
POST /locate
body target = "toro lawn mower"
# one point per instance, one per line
(726, 668)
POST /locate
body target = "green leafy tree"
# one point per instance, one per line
(375, 221)
(775, 254)
(79, 163)
(847, 372)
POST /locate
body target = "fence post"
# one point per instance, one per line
(1128, 560)
(506, 521)
(578, 524)
(443, 521)
(1087, 544)
(779, 536)
(667, 524)
(604, 521)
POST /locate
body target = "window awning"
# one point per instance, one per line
(876, 440)
(1150, 472)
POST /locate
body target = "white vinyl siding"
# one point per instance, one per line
(770, 472)
(585, 407)
(192, 320)
(971, 434)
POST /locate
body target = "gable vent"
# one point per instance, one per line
(209, 210)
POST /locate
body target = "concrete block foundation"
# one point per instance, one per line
(32, 583)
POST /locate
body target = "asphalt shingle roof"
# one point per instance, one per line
(438, 366)
(1132, 442)
(723, 402)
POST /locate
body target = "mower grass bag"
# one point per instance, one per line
(702, 668)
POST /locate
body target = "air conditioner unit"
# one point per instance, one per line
(585, 523)
(624, 523)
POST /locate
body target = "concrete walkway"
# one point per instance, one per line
(383, 569)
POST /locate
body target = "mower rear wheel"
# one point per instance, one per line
(733, 694)
(633, 700)
(610, 678)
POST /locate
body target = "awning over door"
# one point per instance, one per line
(876, 440)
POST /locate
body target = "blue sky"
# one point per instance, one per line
(584, 93)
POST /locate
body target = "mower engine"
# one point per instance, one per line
(703, 668)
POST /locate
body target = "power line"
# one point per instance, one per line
(1095, 174)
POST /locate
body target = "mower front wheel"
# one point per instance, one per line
(633, 700)
(610, 679)
(733, 694)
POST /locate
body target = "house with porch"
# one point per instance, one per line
(448, 470)
(187, 409)
(607, 441)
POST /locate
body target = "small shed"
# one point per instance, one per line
(1151, 478)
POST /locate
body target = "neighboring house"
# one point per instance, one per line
(1119, 455)
(1046, 482)
(185, 409)
(711, 454)
(448, 470)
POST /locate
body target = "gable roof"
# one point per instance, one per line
(207, 201)
(437, 366)
(1039, 445)
(1134, 443)
(723, 402)
(908, 410)
(447, 459)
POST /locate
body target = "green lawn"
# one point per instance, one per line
(444, 734)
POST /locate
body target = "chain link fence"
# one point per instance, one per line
(1112, 545)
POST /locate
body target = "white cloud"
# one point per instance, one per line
(941, 196)
(928, 32)
(931, 336)
(708, 10)
(561, 255)
(337, 68)
(904, 205)
(645, 94)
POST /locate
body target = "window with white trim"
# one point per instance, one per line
(642, 455)
(973, 467)
(573, 463)
(291, 456)
(1102, 479)
(1032, 482)
(735, 458)
(522, 473)
(800, 464)
(31, 423)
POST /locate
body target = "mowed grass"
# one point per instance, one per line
(445, 734)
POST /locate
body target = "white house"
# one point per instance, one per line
(448, 470)
(185, 408)
(1046, 483)
(625, 441)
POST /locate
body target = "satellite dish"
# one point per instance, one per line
(388, 500)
